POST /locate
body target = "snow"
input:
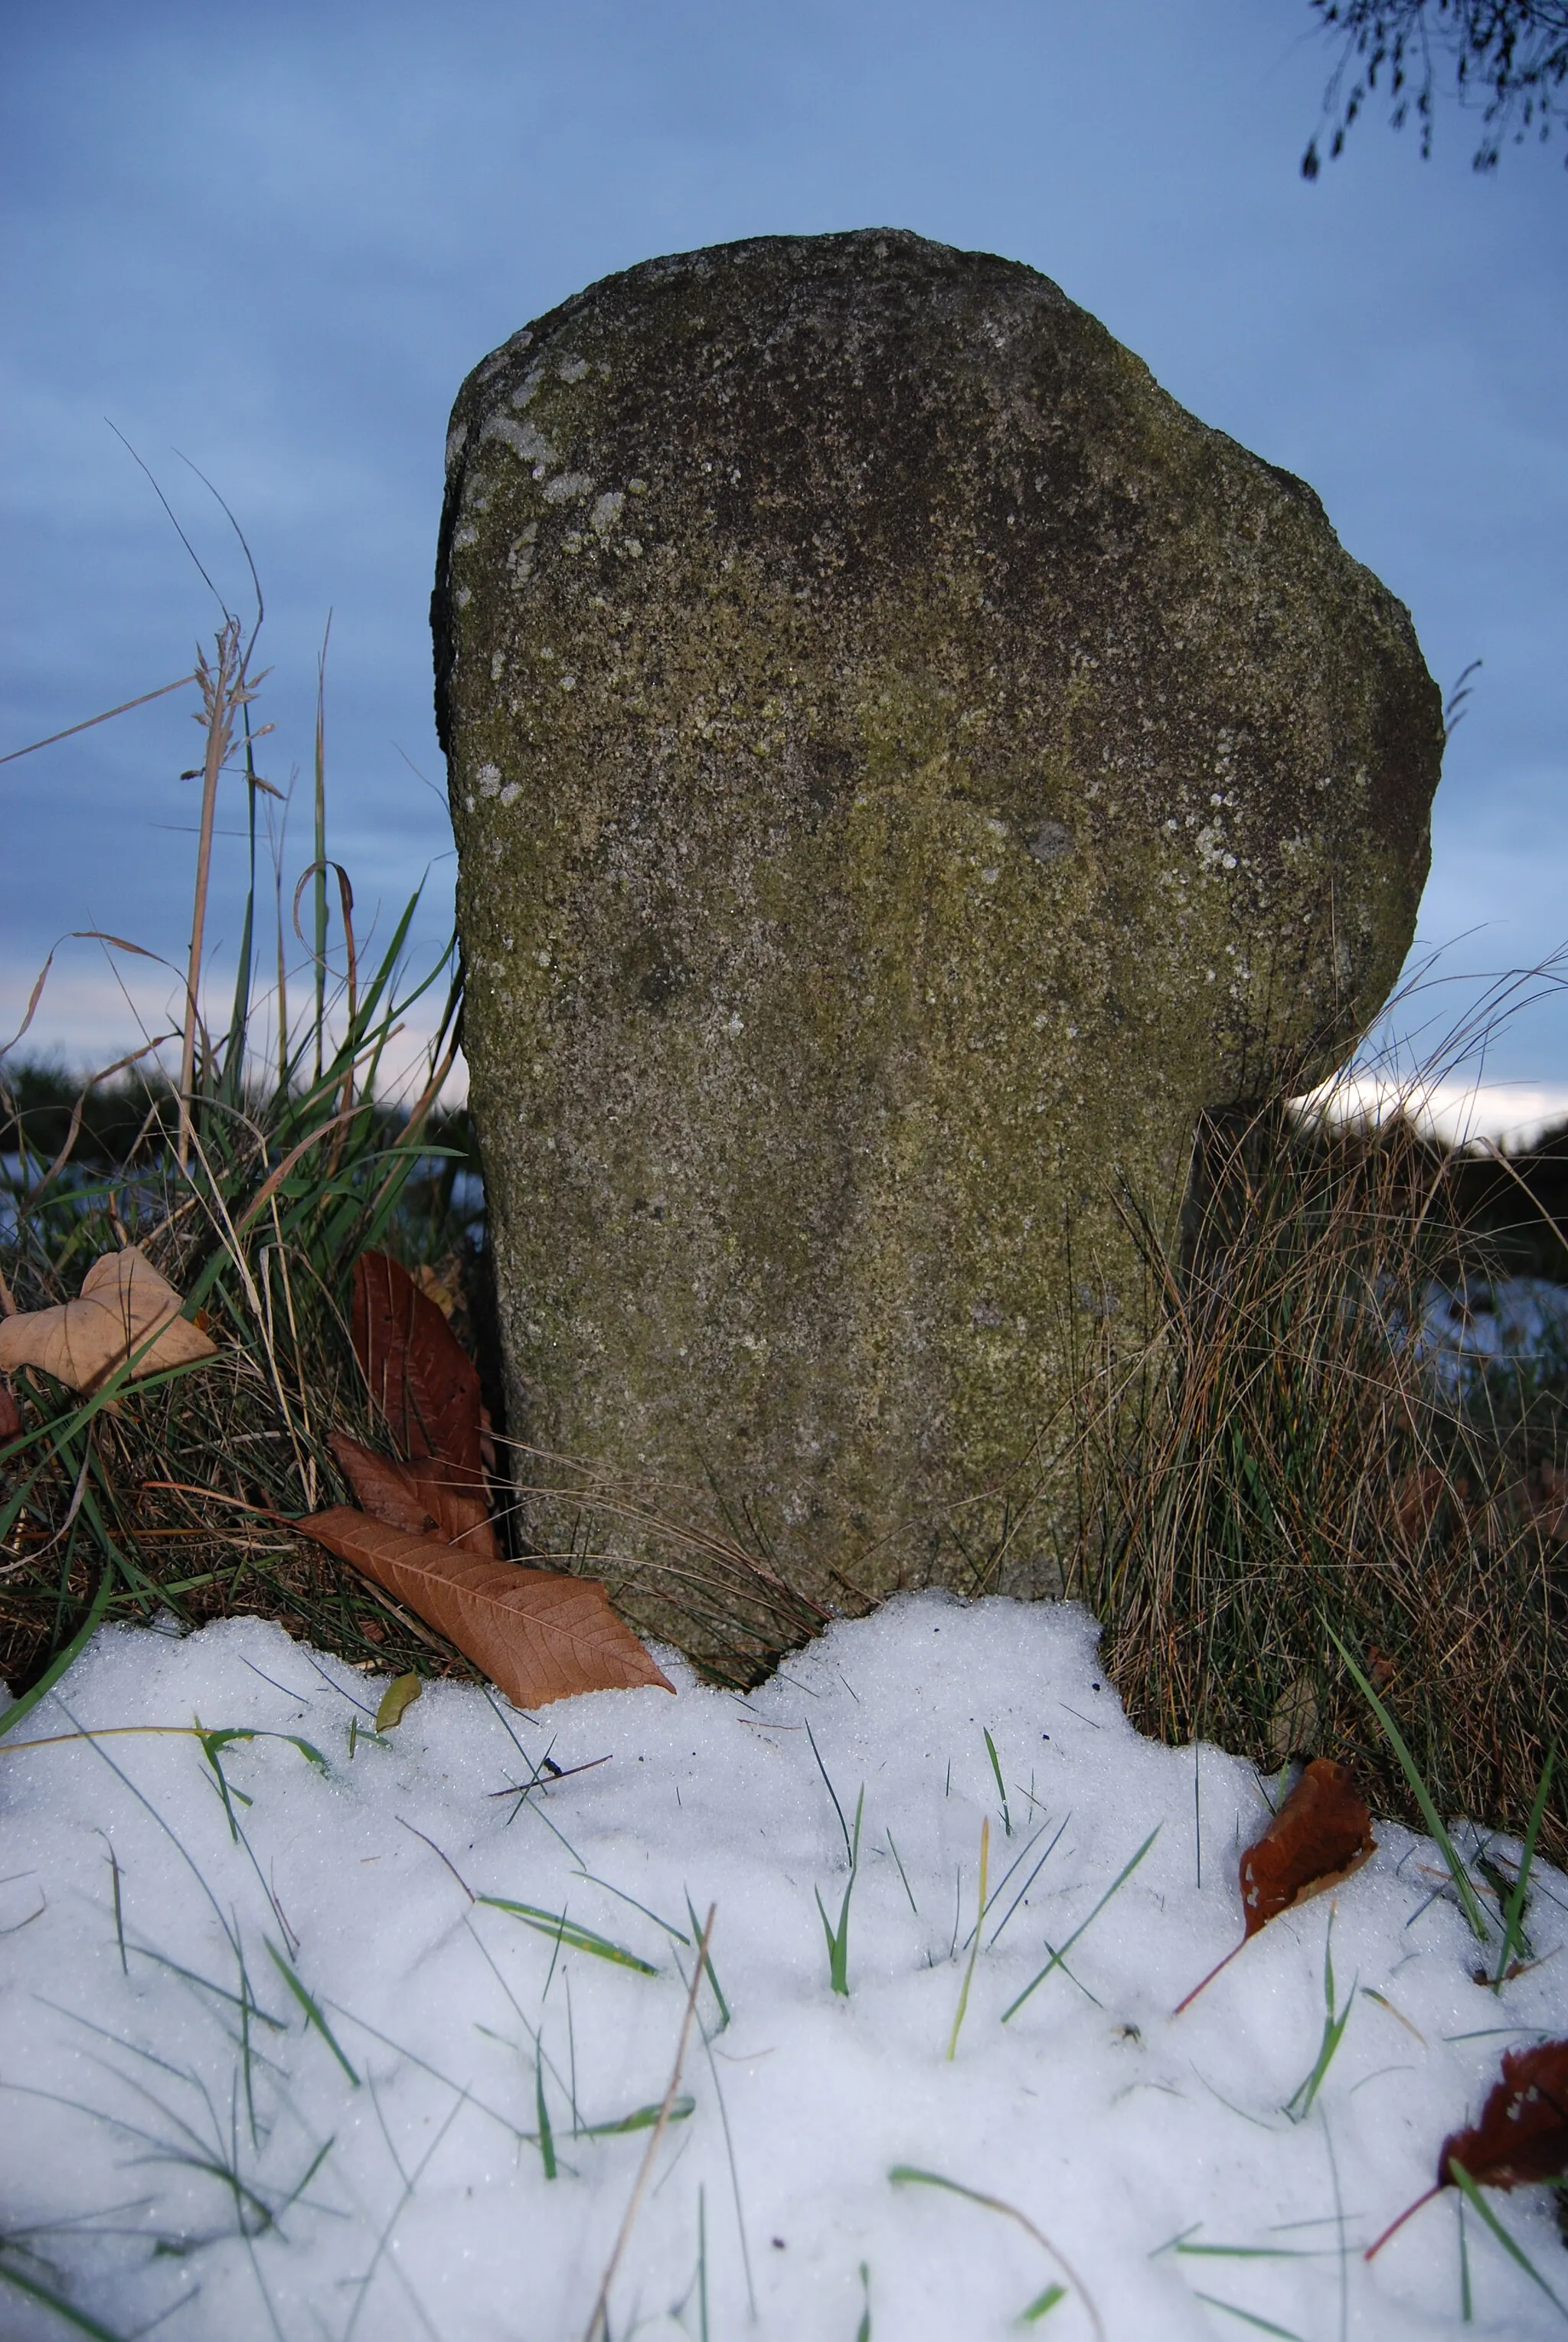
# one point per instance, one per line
(1521, 1319)
(173, 2160)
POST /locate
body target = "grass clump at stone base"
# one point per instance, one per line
(1295, 1461)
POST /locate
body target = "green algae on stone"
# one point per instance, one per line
(904, 769)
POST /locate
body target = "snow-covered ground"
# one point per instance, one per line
(298, 2086)
(1518, 1318)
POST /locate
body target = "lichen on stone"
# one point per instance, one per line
(970, 769)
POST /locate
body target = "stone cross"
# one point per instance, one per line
(904, 770)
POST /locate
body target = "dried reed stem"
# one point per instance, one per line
(598, 2322)
(223, 692)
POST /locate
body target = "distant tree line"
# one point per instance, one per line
(1508, 57)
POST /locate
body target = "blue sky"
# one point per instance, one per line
(275, 240)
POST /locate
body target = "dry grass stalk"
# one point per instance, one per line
(1287, 1461)
(225, 690)
(248, 1185)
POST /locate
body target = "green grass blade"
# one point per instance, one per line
(212, 1743)
(1466, 2298)
(1514, 1910)
(975, 1941)
(546, 2136)
(119, 1906)
(838, 1940)
(833, 1793)
(1000, 1786)
(1333, 2024)
(1483, 2212)
(1243, 2252)
(1249, 2318)
(1058, 1958)
(313, 2013)
(903, 1875)
(708, 1966)
(62, 1660)
(1420, 1792)
(243, 2001)
(222, 1735)
(1042, 2305)
(76, 2317)
(911, 2174)
(643, 2118)
(838, 1944)
(567, 1934)
(676, 1934)
(1033, 1875)
(904, 2174)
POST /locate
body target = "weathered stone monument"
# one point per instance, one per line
(904, 767)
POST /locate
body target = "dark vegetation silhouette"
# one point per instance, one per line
(1508, 58)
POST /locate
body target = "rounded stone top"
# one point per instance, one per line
(884, 487)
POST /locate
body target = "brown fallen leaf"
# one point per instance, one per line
(420, 1376)
(1522, 2137)
(423, 1498)
(10, 1415)
(123, 1301)
(1321, 1834)
(538, 1636)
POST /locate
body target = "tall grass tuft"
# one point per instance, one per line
(1289, 1474)
(252, 1179)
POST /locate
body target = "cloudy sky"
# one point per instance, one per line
(269, 244)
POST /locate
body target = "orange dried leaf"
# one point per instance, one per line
(1321, 1834)
(420, 1375)
(424, 1499)
(122, 1301)
(538, 1636)
(1523, 2134)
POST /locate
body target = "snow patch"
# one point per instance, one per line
(308, 1997)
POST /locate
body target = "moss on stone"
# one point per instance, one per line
(904, 769)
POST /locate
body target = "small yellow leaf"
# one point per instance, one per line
(395, 1700)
